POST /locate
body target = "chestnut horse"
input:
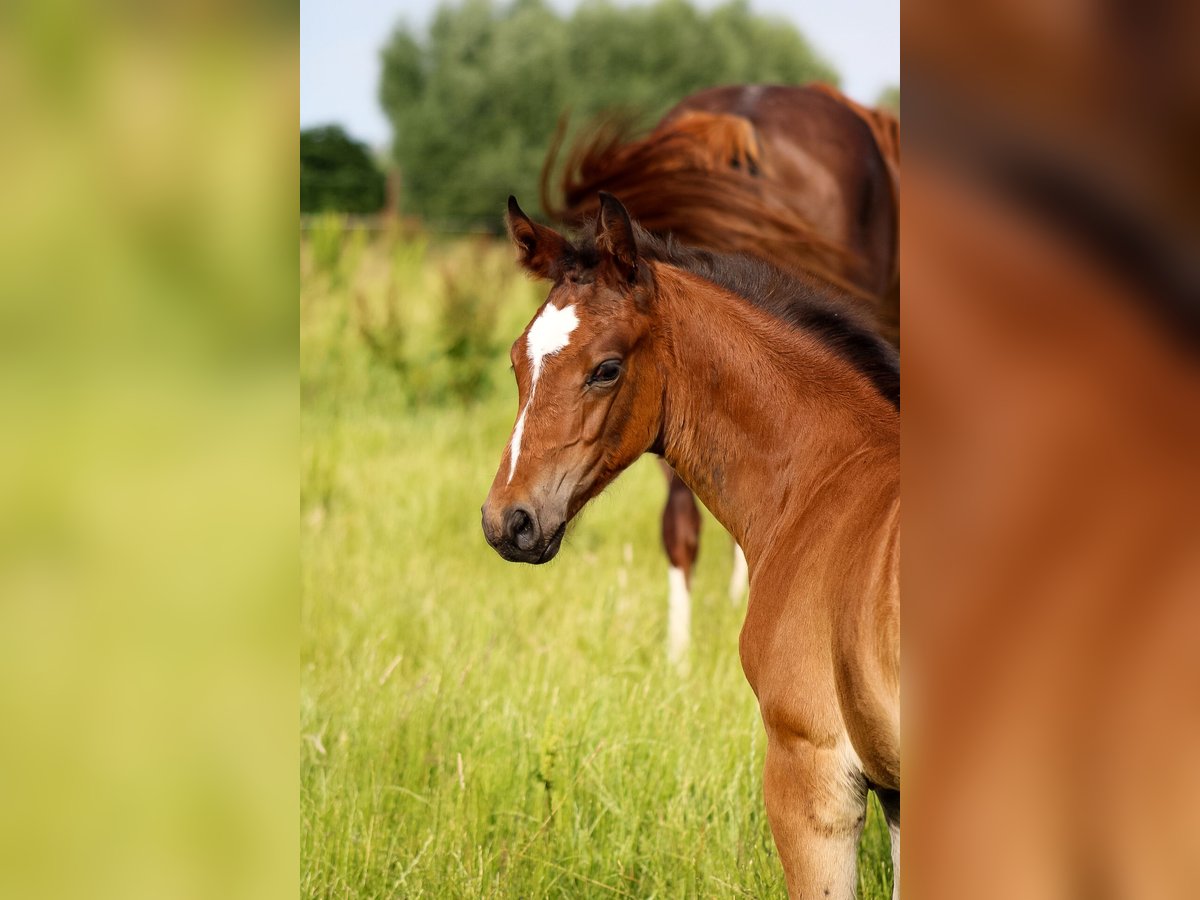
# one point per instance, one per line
(779, 408)
(801, 177)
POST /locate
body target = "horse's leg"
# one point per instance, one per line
(740, 579)
(681, 538)
(816, 806)
(890, 801)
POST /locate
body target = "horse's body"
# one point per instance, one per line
(781, 416)
(801, 177)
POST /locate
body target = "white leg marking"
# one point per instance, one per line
(679, 616)
(549, 333)
(740, 579)
(895, 832)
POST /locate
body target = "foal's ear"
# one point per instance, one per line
(614, 236)
(540, 250)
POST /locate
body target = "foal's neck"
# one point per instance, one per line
(761, 417)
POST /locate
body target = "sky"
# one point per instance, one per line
(340, 41)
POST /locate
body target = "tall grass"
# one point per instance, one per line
(471, 727)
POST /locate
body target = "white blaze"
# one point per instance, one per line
(549, 333)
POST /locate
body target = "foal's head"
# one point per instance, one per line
(588, 381)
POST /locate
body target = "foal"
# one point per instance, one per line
(788, 431)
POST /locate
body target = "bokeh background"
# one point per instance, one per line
(149, 450)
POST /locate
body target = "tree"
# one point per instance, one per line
(475, 101)
(337, 173)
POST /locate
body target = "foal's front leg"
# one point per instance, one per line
(817, 805)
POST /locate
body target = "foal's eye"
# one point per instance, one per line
(606, 373)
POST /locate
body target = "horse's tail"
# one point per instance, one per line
(701, 177)
(556, 141)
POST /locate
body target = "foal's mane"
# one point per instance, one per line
(808, 304)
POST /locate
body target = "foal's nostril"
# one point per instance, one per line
(521, 529)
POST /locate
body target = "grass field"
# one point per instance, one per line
(470, 727)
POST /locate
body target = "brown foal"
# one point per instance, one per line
(788, 431)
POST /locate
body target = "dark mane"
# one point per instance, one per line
(810, 305)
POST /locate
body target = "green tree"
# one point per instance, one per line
(337, 173)
(474, 102)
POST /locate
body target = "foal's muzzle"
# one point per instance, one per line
(517, 535)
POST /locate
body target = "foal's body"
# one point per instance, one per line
(790, 435)
(809, 486)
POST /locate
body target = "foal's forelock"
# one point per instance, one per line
(549, 333)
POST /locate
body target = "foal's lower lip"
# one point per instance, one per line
(553, 545)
